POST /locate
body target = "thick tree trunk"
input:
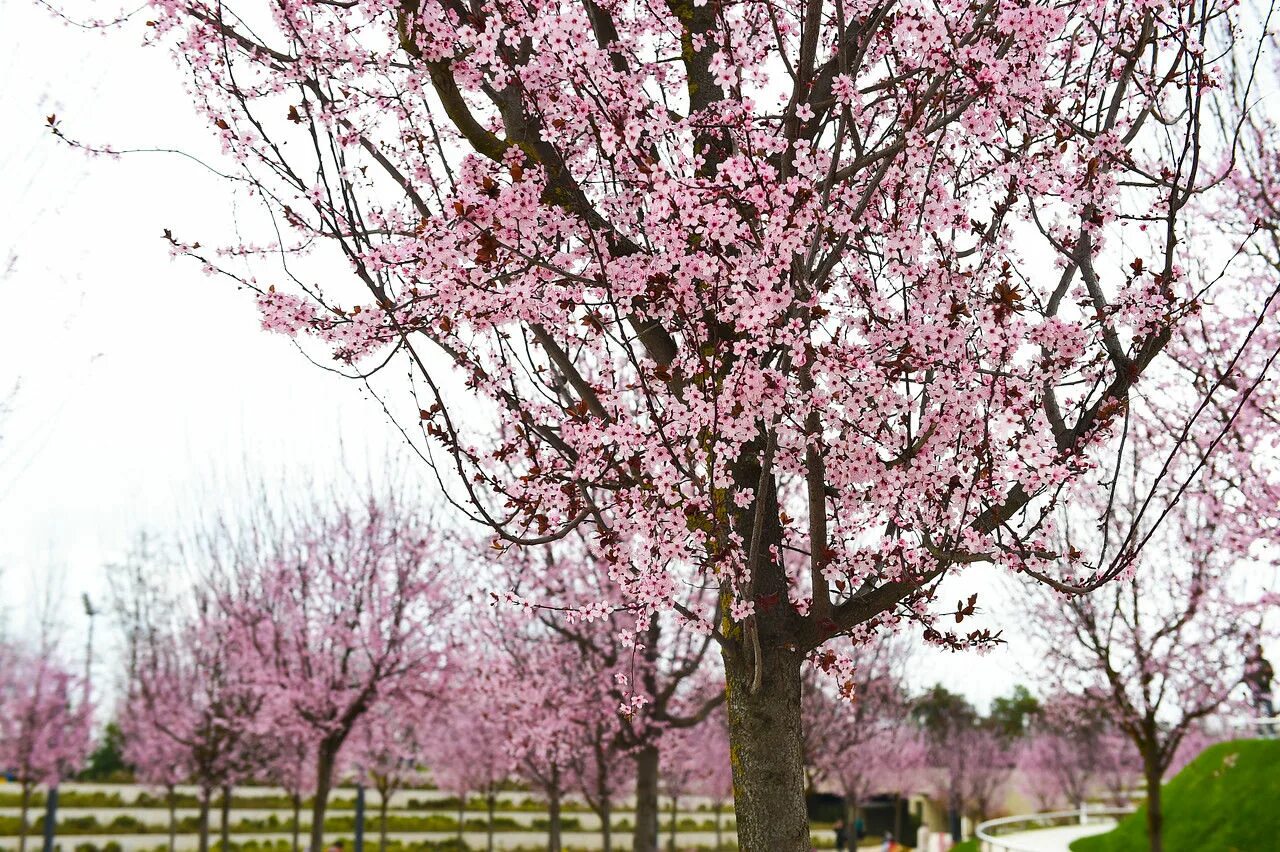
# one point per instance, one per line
(225, 824)
(297, 819)
(324, 782)
(203, 822)
(24, 811)
(172, 796)
(767, 754)
(553, 814)
(1155, 808)
(646, 831)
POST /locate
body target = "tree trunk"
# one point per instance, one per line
(383, 804)
(22, 815)
(297, 818)
(172, 795)
(462, 818)
(553, 812)
(202, 827)
(767, 754)
(324, 782)
(646, 830)
(226, 818)
(492, 801)
(1155, 809)
(675, 807)
(606, 829)
(718, 809)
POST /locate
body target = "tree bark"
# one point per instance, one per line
(606, 830)
(225, 825)
(675, 808)
(553, 813)
(492, 801)
(202, 829)
(383, 803)
(767, 752)
(324, 782)
(646, 829)
(297, 819)
(22, 816)
(1155, 808)
(173, 817)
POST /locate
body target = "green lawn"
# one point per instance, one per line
(1223, 801)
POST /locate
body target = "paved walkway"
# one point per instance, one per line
(1052, 839)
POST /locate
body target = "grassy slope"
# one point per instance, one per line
(1224, 801)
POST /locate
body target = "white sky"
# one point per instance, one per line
(144, 383)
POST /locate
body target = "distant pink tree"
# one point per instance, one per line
(388, 748)
(1053, 770)
(44, 721)
(1060, 759)
(341, 604)
(192, 691)
(288, 763)
(158, 758)
(469, 750)
(1119, 766)
(1162, 651)
(713, 777)
(854, 720)
(655, 665)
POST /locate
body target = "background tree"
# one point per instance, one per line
(288, 764)
(740, 284)
(388, 750)
(45, 726)
(656, 666)
(1164, 651)
(192, 699)
(852, 722)
(107, 761)
(470, 750)
(1011, 715)
(342, 605)
(714, 779)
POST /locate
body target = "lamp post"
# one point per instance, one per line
(90, 612)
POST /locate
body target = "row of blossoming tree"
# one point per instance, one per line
(791, 311)
(350, 639)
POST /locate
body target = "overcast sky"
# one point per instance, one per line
(143, 385)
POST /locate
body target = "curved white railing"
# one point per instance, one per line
(989, 832)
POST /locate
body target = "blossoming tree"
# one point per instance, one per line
(45, 723)
(810, 302)
(653, 672)
(341, 605)
(1162, 651)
